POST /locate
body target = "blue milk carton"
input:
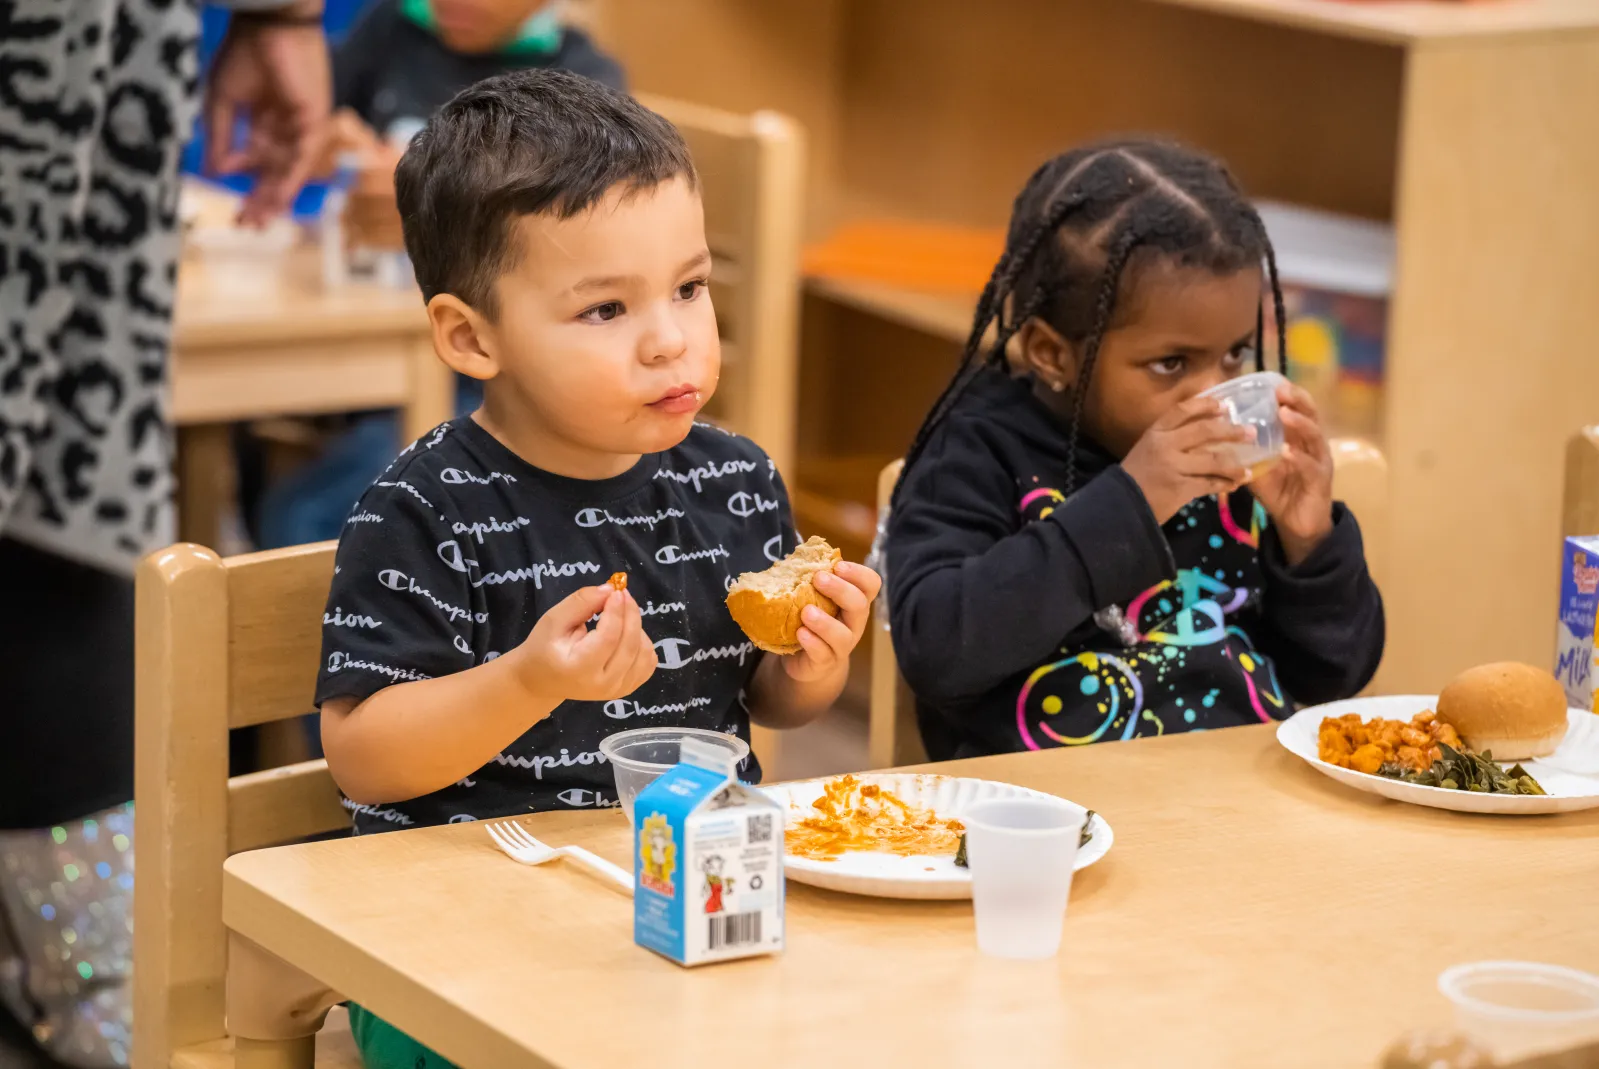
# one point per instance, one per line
(1579, 605)
(708, 863)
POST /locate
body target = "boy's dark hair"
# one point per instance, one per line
(1081, 221)
(524, 143)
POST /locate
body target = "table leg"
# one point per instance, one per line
(274, 1010)
(205, 481)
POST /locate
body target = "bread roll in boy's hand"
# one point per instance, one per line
(565, 660)
(811, 607)
(1181, 456)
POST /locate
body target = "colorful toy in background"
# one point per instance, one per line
(1335, 350)
(1336, 273)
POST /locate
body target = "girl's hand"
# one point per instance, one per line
(1180, 457)
(1297, 490)
(827, 641)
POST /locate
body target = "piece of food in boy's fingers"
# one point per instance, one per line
(768, 605)
(617, 581)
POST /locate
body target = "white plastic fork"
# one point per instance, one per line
(521, 846)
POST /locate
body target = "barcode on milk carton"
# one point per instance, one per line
(735, 930)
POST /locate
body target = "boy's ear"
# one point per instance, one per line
(1041, 351)
(462, 337)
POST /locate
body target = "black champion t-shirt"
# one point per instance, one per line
(454, 553)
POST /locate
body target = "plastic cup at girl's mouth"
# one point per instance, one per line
(1250, 401)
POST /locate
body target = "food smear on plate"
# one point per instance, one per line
(855, 816)
(1367, 745)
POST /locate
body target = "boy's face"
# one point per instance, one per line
(1180, 332)
(606, 341)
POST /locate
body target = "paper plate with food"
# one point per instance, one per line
(1499, 739)
(896, 834)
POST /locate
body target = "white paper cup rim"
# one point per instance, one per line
(1455, 983)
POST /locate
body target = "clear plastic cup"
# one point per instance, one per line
(641, 756)
(1517, 1009)
(1021, 852)
(1251, 401)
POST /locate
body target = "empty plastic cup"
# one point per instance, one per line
(1251, 401)
(1021, 852)
(642, 756)
(1517, 1009)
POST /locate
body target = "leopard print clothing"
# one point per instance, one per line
(96, 100)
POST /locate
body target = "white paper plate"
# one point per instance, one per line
(892, 876)
(1561, 774)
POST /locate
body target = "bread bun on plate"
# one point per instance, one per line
(1515, 711)
(767, 605)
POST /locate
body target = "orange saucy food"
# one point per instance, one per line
(1366, 746)
(851, 815)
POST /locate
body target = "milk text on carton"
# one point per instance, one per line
(1579, 608)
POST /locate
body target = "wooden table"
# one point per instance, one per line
(290, 350)
(1251, 913)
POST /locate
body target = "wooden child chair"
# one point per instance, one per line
(222, 643)
(1579, 514)
(752, 180)
(1360, 480)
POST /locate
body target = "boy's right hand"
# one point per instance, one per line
(1180, 457)
(564, 660)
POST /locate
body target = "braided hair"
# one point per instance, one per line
(1077, 225)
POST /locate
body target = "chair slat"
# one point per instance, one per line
(280, 805)
(1580, 510)
(275, 604)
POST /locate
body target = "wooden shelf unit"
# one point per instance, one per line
(1467, 125)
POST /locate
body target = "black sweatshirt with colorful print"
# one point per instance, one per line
(1024, 619)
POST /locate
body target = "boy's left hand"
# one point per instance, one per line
(827, 641)
(1297, 490)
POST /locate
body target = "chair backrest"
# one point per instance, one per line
(1360, 480)
(221, 643)
(1579, 514)
(752, 180)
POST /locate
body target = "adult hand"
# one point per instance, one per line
(276, 71)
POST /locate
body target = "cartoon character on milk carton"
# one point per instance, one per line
(697, 818)
(1579, 610)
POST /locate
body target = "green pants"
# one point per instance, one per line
(383, 1046)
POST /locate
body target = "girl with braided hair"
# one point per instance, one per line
(1073, 555)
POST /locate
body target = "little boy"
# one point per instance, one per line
(473, 654)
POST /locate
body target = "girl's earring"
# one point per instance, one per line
(1058, 386)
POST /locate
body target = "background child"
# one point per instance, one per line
(1072, 554)
(474, 657)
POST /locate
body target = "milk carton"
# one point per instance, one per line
(1579, 605)
(708, 863)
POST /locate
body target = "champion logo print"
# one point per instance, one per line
(365, 517)
(583, 798)
(457, 477)
(622, 709)
(600, 517)
(401, 484)
(539, 762)
(476, 531)
(395, 579)
(343, 662)
(744, 504)
(676, 555)
(696, 476)
(337, 618)
(673, 653)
